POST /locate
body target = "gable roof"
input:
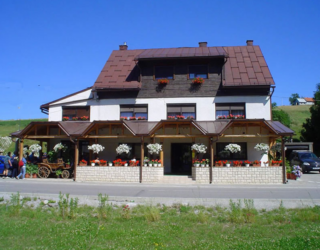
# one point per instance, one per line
(309, 99)
(301, 100)
(245, 65)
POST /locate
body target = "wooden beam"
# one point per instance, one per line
(258, 136)
(110, 129)
(180, 136)
(177, 129)
(44, 136)
(283, 156)
(35, 129)
(48, 130)
(109, 136)
(211, 157)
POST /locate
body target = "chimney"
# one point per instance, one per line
(203, 44)
(249, 42)
(123, 47)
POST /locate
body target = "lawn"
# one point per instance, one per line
(9, 126)
(298, 115)
(65, 225)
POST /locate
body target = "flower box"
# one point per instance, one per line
(84, 118)
(83, 163)
(65, 118)
(171, 117)
(198, 80)
(218, 164)
(163, 81)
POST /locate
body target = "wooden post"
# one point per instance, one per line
(90, 151)
(21, 149)
(161, 153)
(76, 158)
(142, 159)
(283, 156)
(211, 157)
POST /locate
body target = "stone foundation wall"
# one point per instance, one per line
(238, 175)
(119, 174)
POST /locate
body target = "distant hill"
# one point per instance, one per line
(298, 115)
(9, 126)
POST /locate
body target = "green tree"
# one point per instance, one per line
(274, 105)
(293, 98)
(311, 128)
(281, 116)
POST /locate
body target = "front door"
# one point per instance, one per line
(181, 158)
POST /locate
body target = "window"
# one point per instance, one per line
(134, 111)
(70, 113)
(162, 72)
(134, 152)
(226, 109)
(198, 71)
(227, 155)
(186, 110)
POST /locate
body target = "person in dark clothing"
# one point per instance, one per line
(15, 167)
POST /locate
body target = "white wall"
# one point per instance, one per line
(109, 109)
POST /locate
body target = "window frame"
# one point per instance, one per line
(198, 65)
(155, 78)
(76, 109)
(135, 106)
(244, 145)
(229, 105)
(178, 105)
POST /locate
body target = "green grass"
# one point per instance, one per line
(156, 227)
(9, 126)
(298, 115)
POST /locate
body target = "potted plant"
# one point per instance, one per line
(123, 148)
(65, 118)
(28, 171)
(58, 173)
(180, 117)
(34, 171)
(275, 163)
(117, 162)
(150, 163)
(190, 117)
(247, 163)
(83, 163)
(84, 118)
(228, 163)
(297, 171)
(237, 163)
(154, 148)
(141, 118)
(123, 118)
(200, 148)
(218, 164)
(196, 163)
(93, 163)
(198, 80)
(256, 163)
(75, 118)
(96, 148)
(233, 148)
(110, 163)
(203, 163)
(266, 163)
(163, 81)
(67, 163)
(171, 117)
(159, 163)
(132, 118)
(124, 163)
(145, 161)
(103, 163)
(288, 171)
(207, 162)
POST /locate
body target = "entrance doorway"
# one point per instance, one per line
(181, 158)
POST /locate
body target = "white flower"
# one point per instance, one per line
(59, 146)
(261, 147)
(123, 148)
(199, 148)
(96, 148)
(5, 143)
(154, 148)
(276, 148)
(233, 148)
(35, 148)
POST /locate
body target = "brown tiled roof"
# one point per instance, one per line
(309, 99)
(120, 71)
(246, 66)
(181, 52)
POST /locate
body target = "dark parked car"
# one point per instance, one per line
(307, 160)
(1, 164)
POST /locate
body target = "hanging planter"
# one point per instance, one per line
(163, 81)
(154, 148)
(96, 148)
(233, 148)
(199, 148)
(262, 147)
(123, 148)
(198, 80)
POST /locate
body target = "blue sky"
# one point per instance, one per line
(50, 49)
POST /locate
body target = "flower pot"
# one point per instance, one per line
(196, 165)
(256, 165)
(159, 165)
(27, 176)
(266, 164)
(126, 164)
(145, 164)
(247, 165)
(34, 176)
(110, 164)
(93, 164)
(228, 165)
(202, 165)
(103, 164)
(207, 165)
(150, 165)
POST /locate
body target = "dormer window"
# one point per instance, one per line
(163, 72)
(198, 71)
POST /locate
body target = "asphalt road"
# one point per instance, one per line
(306, 188)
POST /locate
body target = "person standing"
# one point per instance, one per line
(7, 165)
(22, 167)
(15, 166)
